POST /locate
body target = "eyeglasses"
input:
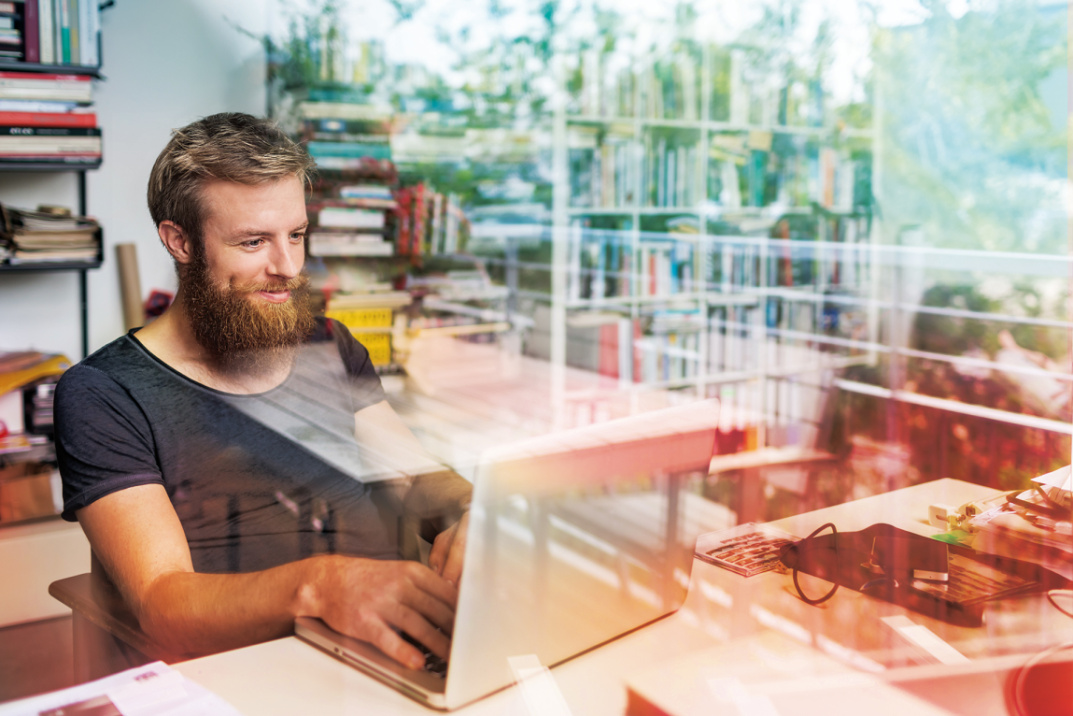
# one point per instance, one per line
(806, 546)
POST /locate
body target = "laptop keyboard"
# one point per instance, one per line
(433, 664)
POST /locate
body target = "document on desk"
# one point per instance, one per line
(151, 689)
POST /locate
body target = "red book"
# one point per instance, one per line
(419, 221)
(31, 36)
(608, 350)
(47, 119)
(44, 76)
(403, 215)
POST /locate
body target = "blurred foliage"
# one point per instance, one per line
(973, 151)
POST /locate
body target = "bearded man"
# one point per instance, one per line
(234, 464)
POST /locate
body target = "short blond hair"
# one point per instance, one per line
(231, 146)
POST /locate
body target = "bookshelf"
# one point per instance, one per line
(49, 127)
(708, 213)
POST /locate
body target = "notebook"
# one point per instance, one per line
(575, 538)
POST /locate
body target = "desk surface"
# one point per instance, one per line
(732, 630)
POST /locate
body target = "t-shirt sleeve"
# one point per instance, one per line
(103, 440)
(365, 383)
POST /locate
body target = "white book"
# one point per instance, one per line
(46, 30)
(94, 34)
(330, 244)
(351, 218)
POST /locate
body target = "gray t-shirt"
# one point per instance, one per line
(256, 480)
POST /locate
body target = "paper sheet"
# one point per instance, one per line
(151, 689)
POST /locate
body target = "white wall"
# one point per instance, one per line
(165, 64)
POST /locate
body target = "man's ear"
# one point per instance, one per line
(175, 240)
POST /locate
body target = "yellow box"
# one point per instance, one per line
(378, 345)
(362, 317)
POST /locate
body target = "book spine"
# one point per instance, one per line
(420, 222)
(40, 79)
(85, 53)
(15, 129)
(65, 32)
(403, 213)
(45, 25)
(73, 160)
(30, 38)
(94, 34)
(73, 15)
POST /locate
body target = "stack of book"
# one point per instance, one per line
(353, 206)
(46, 119)
(49, 235)
(370, 316)
(50, 32)
(342, 134)
(26, 406)
(351, 219)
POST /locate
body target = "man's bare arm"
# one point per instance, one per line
(137, 536)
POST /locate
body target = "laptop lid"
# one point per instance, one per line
(576, 538)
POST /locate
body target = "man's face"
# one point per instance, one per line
(244, 290)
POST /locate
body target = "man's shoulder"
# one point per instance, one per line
(114, 362)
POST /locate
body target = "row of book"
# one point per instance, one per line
(429, 222)
(660, 347)
(51, 32)
(603, 169)
(604, 263)
(671, 86)
(744, 169)
(675, 346)
(47, 235)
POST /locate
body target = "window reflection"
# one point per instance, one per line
(844, 221)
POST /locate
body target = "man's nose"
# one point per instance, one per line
(287, 260)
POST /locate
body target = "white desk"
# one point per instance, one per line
(753, 632)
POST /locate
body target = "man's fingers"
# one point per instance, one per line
(433, 584)
(419, 629)
(389, 642)
(437, 558)
(452, 569)
(448, 551)
(430, 608)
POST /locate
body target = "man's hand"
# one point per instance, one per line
(448, 550)
(373, 599)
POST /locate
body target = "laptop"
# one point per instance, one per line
(575, 538)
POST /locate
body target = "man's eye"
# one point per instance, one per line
(253, 243)
(298, 236)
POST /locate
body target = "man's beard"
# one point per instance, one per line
(240, 333)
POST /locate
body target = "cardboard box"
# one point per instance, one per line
(25, 492)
